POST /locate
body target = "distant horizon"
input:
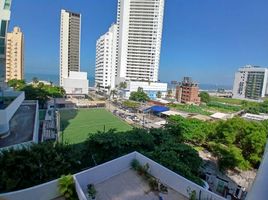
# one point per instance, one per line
(51, 77)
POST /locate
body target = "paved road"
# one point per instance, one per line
(148, 123)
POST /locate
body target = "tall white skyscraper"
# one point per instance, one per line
(139, 40)
(5, 6)
(70, 32)
(106, 57)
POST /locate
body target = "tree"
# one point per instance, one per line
(159, 94)
(122, 85)
(113, 93)
(204, 96)
(35, 80)
(140, 95)
(16, 84)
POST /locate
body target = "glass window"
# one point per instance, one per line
(7, 5)
(3, 28)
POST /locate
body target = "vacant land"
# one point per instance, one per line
(76, 125)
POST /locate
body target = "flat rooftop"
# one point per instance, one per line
(130, 186)
(21, 126)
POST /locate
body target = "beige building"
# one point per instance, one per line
(15, 55)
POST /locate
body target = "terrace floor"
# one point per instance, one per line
(130, 186)
(21, 126)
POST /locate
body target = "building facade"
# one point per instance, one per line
(5, 6)
(150, 88)
(106, 55)
(188, 92)
(139, 39)
(250, 83)
(70, 31)
(76, 83)
(15, 55)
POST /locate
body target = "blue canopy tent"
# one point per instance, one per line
(157, 109)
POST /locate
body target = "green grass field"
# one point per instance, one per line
(78, 124)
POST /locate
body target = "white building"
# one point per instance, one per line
(70, 32)
(139, 40)
(250, 82)
(5, 6)
(150, 88)
(76, 83)
(105, 70)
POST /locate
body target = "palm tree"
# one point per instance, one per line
(159, 94)
(35, 80)
(113, 92)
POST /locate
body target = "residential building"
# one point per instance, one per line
(188, 92)
(5, 6)
(150, 88)
(250, 82)
(139, 39)
(15, 55)
(105, 70)
(70, 31)
(76, 83)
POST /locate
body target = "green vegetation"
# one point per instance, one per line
(236, 142)
(131, 104)
(37, 91)
(191, 108)
(227, 100)
(67, 187)
(221, 107)
(43, 162)
(77, 124)
(140, 96)
(204, 96)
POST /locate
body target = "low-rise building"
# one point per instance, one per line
(187, 92)
(150, 88)
(76, 83)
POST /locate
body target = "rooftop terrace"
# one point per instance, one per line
(129, 185)
(22, 125)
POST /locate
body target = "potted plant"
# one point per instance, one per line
(67, 188)
(91, 191)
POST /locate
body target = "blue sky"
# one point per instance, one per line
(205, 39)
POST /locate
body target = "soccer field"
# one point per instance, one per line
(76, 125)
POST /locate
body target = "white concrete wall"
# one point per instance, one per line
(101, 173)
(46, 191)
(175, 181)
(259, 190)
(9, 111)
(76, 83)
(133, 86)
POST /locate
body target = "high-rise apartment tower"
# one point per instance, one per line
(251, 82)
(15, 55)
(70, 32)
(139, 39)
(106, 57)
(4, 19)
